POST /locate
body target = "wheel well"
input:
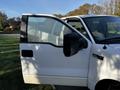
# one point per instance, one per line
(104, 83)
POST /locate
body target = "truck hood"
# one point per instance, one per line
(115, 46)
(113, 52)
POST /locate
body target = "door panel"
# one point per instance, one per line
(48, 57)
(49, 60)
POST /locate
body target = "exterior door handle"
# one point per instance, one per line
(27, 53)
(98, 56)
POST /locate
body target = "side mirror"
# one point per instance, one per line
(73, 42)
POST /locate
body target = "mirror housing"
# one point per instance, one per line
(73, 42)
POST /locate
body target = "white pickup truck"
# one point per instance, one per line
(72, 51)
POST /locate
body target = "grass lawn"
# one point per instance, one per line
(10, 67)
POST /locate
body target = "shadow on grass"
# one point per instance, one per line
(11, 75)
(13, 81)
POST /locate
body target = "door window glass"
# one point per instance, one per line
(79, 26)
(46, 30)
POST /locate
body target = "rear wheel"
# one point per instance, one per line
(108, 85)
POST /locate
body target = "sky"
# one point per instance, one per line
(14, 8)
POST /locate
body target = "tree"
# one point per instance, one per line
(14, 23)
(111, 7)
(3, 20)
(59, 15)
(86, 9)
(117, 7)
(9, 24)
(95, 9)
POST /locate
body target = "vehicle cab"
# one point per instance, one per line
(79, 51)
(104, 33)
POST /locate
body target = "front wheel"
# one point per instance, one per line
(108, 85)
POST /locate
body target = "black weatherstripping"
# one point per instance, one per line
(23, 36)
(43, 43)
(113, 40)
(27, 53)
(23, 31)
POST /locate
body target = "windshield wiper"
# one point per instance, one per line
(110, 40)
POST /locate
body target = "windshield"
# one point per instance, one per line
(104, 29)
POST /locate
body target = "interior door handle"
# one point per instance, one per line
(27, 53)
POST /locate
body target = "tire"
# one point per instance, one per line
(108, 85)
